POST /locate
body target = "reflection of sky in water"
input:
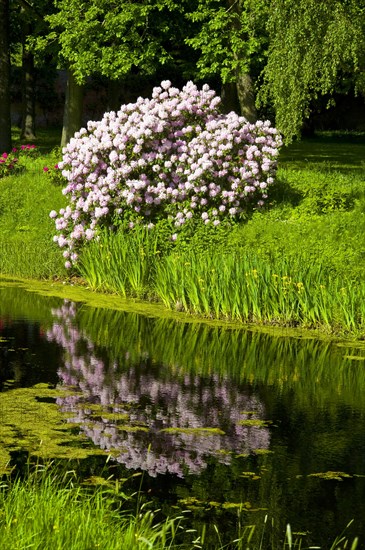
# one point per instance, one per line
(154, 398)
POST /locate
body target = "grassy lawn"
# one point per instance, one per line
(311, 232)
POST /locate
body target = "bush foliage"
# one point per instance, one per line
(173, 157)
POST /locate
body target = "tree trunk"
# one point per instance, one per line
(5, 118)
(72, 116)
(246, 96)
(113, 100)
(244, 84)
(229, 97)
(28, 96)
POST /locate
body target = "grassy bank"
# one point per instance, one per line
(299, 262)
(47, 511)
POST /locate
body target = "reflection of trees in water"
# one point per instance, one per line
(26, 358)
(314, 370)
(154, 398)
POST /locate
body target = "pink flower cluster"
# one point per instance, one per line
(9, 162)
(174, 155)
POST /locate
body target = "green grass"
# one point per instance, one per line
(237, 285)
(310, 233)
(50, 512)
(26, 247)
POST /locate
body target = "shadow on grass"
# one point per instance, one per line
(337, 151)
(284, 193)
(46, 139)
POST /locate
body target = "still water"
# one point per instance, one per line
(234, 426)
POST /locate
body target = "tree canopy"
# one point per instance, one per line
(111, 37)
(287, 53)
(314, 48)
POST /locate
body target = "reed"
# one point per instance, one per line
(121, 262)
(254, 290)
(225, 284)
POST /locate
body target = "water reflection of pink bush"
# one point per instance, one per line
(169, 400)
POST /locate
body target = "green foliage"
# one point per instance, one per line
(312, 232)
(54, 511)
(111, 38)
(312, 47)
(229, 281)
(122, 262)
(45, 511)
(225, 37)
(26, 247)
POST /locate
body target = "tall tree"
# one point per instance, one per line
(26, 22)
(108, 38)
(28, 89)
(313, 46)
(72, 115)
(5, 118)
(229, 45)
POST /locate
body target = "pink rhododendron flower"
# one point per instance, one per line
(174, 155)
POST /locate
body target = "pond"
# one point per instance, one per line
(228, 424)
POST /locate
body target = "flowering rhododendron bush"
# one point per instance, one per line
(174, 157)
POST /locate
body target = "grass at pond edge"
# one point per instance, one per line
(56, 512)
(72, 291)
(317, 205)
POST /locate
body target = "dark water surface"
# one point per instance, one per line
(232, 425)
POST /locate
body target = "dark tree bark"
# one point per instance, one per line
(246, 96)
(243, 81)
(5, 118)
(28, 96)
(229, 97)
(113, 99)
(72, 116)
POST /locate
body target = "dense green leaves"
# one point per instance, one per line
(313, 47)
(294, 51)
(225, 38)
(111, 38)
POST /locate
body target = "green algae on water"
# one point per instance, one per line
(337, 476)
(29, 422)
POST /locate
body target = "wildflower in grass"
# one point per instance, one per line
(172, 156)
(10, 163)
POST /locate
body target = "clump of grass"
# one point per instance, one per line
(250, 289)
(228, 285)
(51, 511)
(121, 262)
(46, 511)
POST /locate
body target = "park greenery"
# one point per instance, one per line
(295, 262)
(238, 46)
(183, 199)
